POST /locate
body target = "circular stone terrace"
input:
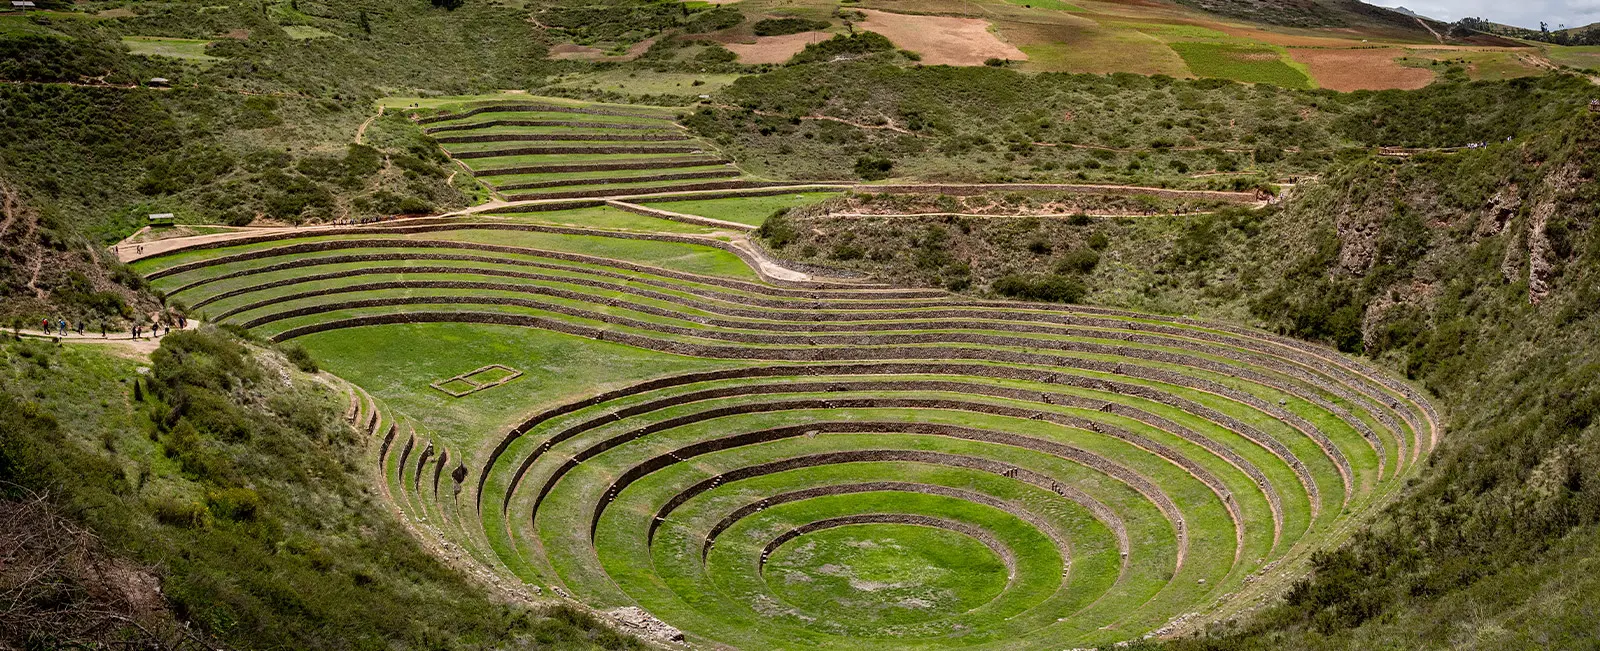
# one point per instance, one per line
(849, 463)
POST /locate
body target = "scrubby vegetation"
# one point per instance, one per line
(245, 496)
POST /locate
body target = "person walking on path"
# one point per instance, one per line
(135, 331)
(102, 329)
(63, 324)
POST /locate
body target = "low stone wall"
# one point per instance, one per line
(1114, 470)
(592, 149)
(962, 189)
(533, 107)
(652, 164)
(647, 178)
(677, 217)
(486, 124)
(926, 321)
(796, 289)
(840, 354)
(871, 341)
(614, 192)
(1063, 545)
(564, 137)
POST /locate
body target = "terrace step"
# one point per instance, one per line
(487, 124)
(660, 163)
(564, 137)
(645, 190)
(611, 180)
(543, 108)
(597, 149)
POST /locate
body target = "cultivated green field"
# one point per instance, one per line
(787, 463)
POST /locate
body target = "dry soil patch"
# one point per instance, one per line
(1365, 69)
(942, 39)
(775, 49)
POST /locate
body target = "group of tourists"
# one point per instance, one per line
(158, 325)
(356, 221)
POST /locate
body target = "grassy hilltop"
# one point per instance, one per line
(971, 324)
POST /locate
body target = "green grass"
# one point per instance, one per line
(303, 32)
(396, 362)
(644, 82)
(604, 217)
(1254, 64)
(176, 48)
(745, 210)
(1052, 5)
(509, 179)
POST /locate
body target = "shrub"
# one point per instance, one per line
(1078, 261)
(1054, 288)
(843, 45)
(873, 168)
(1099, 241)
(782, 26)
(996, 62)
(778, 231)
(300, 357)
(713, 20)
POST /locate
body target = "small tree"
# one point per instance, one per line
(363, 22)
(138, 392)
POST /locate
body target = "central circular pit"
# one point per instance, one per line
(881, 574)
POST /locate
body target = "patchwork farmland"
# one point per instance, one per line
(637, 409)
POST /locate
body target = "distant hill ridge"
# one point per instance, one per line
(1311, 13)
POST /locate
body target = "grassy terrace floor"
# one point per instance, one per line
(807, 464)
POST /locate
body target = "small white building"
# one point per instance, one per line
(163, 219)
(160, 82)
(23, 5)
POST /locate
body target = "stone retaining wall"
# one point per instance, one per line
(841, 354)
(1105, 466)
(538, 108)
(677, 217)
(1168, 454)
(647, 178)
(1276, 364)
(563, 137)
(615, 192)
(659, 163)
(870, 341)
(541, 123)
(1063, 545)
(591, 149)
(975, 189)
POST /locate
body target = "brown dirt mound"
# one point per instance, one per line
(775, 49)
(1365, 69)
(942, 39)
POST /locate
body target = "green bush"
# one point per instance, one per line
(873, 168)
(782, 26)
(843, 46)
(777, 230)
(1053, 288)
(1077, 261)
(300, 357)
